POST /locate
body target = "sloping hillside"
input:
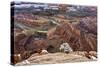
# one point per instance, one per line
(52, 58)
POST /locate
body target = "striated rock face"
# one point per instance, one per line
(27, 45)
(18, 48)
(88, 33)
(76, 35)
(89, 24)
